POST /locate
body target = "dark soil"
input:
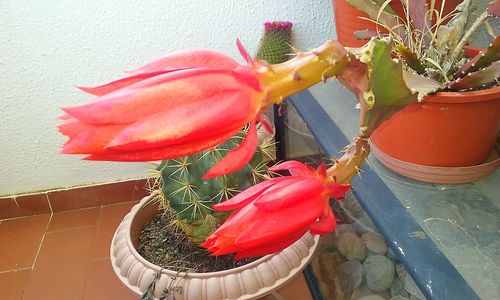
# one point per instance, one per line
(164, 245)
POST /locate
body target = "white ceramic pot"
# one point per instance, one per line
(250, 281)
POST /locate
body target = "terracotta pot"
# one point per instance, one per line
(448, 129)
(250, 281)
(347, 19)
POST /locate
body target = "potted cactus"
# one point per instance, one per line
(193, 101)
(183, 201)
(458, 124)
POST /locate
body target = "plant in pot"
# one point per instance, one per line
(193, 101)
(450, 136)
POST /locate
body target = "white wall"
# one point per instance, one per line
(48, 47)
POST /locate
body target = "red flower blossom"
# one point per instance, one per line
(181, 104)
(274, 214)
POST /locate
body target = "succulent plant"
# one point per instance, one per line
(182, 189)
(276, 43)
(431, 44)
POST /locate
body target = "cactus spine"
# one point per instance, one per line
(182, 189)
(276, 43)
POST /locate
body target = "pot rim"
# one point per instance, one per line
(145, 201)
(465, 97)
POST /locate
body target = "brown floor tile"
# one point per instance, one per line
(25, 205)
(119, 192)
(61, 267)
(102, 283)
(20, 240)
(111, 216)
(72, 199)
(296, 289)
(74, 218)
(8, 208)
(35, 204)
(12, 284)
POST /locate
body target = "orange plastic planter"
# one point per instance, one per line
(347, 19)
(448, 129)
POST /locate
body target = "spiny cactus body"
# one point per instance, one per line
(191, 197)
(276, 43)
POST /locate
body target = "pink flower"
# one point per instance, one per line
(181, 104)
(274, 214)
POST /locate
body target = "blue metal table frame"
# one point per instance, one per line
(436, 277)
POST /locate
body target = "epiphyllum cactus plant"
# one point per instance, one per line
(192, 101)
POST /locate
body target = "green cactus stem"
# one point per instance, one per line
(410, 59)
(183, 190)
(481, 60)
(482, 78)
(276, 43)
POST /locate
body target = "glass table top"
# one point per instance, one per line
(463, 221)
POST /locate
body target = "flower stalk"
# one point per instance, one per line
(303, 71)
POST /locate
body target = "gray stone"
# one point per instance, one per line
(399, 298)
(401, 271)
(351, 246)
(398, 289)
(372, 297)
(329, 262)
(412, 288)
(379, 272)
(350, 275)
(351, 204)
(374, 243)
(342, 228)
(390, 254)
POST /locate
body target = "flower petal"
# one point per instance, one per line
(238, 157)
(247, 195)
(189, 59)
(338, 191)
(163, 152)
(91, 139)
(265, 123)
(325, 225)
(295, 168)
(269, 226)
(244, 53)
(118, 84)
(271, 248)
(191, 120)
(162, 92)
(288, 193)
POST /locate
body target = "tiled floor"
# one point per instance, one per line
(65, 256)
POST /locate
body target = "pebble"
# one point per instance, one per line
(352, 205)
(371, 297)
(398, 289)
(401, 271)
(374, 243)
(350, 275)
(342, 228)
(351, 246)
(412, 288)
(329, 262)
(379, 272)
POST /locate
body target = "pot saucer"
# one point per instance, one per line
(443, 175)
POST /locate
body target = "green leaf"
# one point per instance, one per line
(389, 89)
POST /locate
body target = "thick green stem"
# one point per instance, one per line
(465, 39)
(305, 70)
